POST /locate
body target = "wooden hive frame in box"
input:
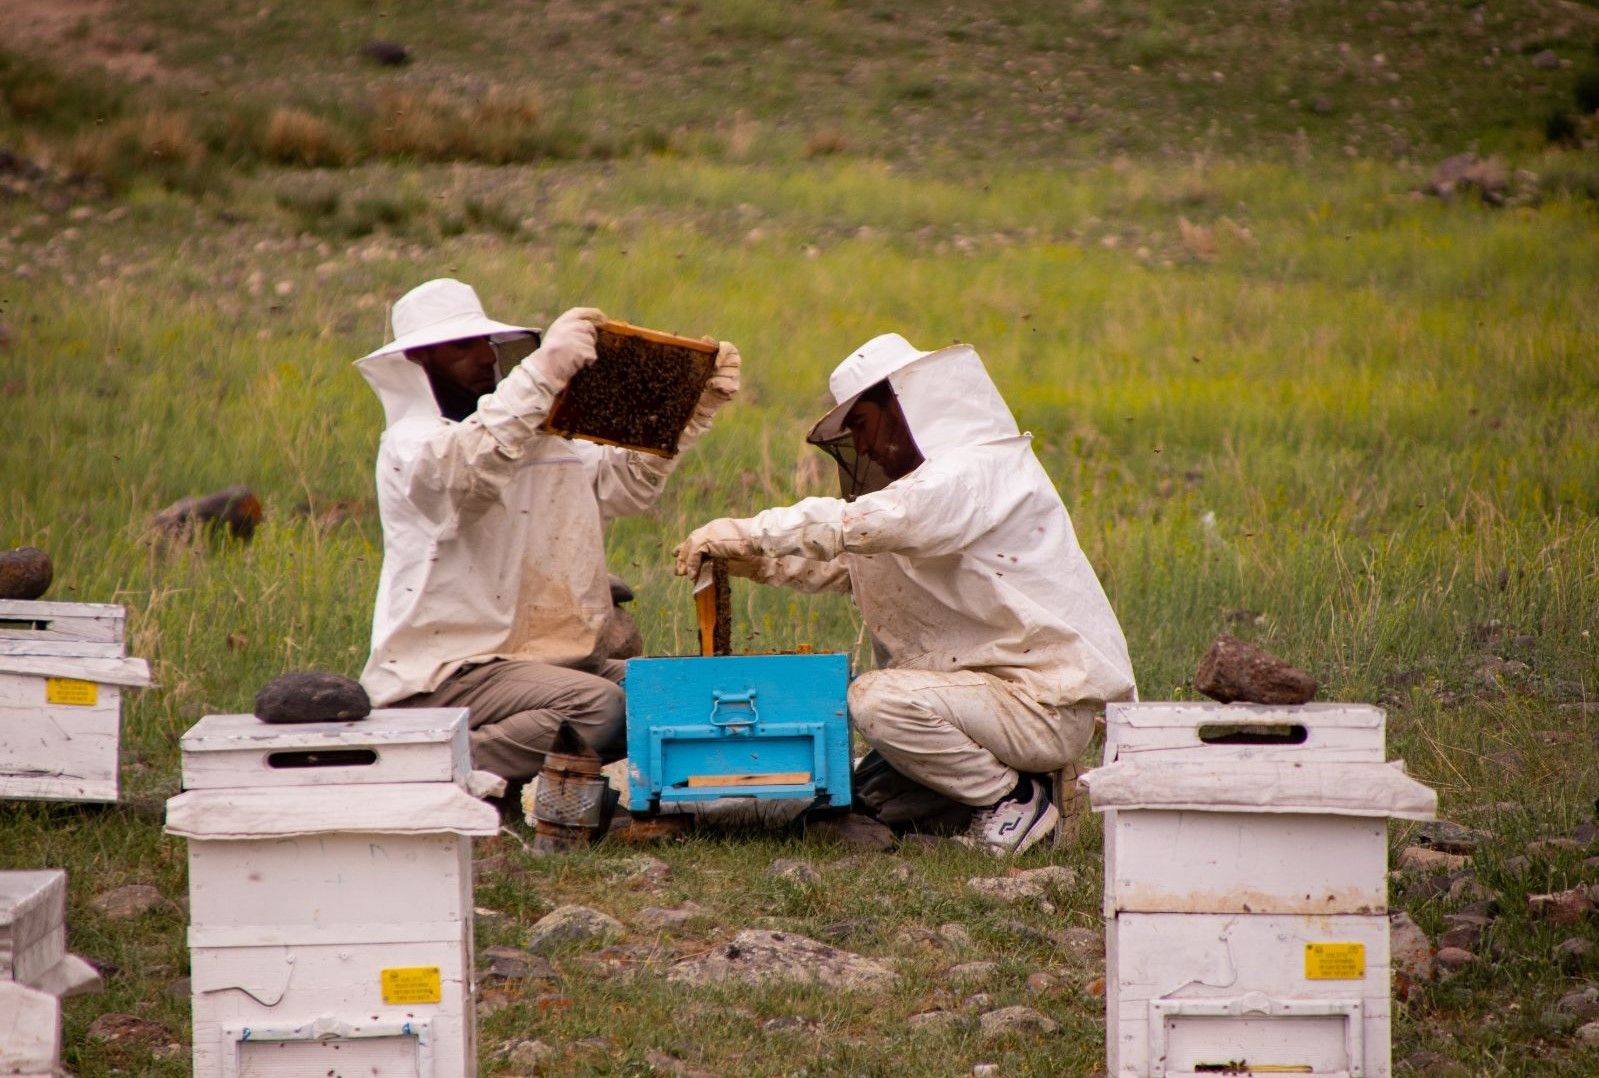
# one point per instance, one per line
(639, 393)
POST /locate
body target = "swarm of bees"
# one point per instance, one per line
(639, 393)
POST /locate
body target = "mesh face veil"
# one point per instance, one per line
(511, 349)
(858, 471)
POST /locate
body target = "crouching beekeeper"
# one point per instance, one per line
(1000, 644)
(494, 594)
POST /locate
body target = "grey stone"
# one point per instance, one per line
(1453, 959)
(935, 1020)
(660, 919)
(1083, 943)
(571, 924)
(1011, 890)
(1025, 932)
(515, 964)
(1040, 982)
(1423, 859)
(1588, 1034)
(977, 1002)
(971, 973)
(312, 696)
(1546, 60)
(844, 931)
(955, 934)
(25, 573)
(640, 869)
(855, 832)
(1411, 952)
(790, 1023)
(1013, 1020)
(1450, 837)
(1233, 670)
(125, 902)
(1462, 932)
(904, 873)
(795, 872)
(1583, 1003)
(1567, 907)
(985, 1070)
(759, 956)
(1572, 953)
(530, 1054)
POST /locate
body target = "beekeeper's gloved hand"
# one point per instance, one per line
(721, 387)
(567, 348)
(722, 538)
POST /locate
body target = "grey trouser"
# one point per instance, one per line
(963, 734)
(517, 706)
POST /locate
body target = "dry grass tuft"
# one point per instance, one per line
(826, 143)
(294, 136)
(158, 137)
(504, 127)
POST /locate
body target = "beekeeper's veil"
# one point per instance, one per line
(946, 396)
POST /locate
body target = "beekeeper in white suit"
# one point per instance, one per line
(957, 549)
(494, 593)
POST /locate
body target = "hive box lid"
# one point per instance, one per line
(1204, 730)
(33, 907)
(78, 630)
(390, 745)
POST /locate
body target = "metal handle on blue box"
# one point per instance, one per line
(734, 699)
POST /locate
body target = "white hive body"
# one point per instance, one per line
(35, 970)
(330, 894)
(63, 667)
(1246, 888)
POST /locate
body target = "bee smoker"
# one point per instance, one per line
(571, 801)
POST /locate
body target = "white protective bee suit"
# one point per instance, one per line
(493, 547)
(1001, 643)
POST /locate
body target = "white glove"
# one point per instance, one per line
(567, 348)
(722, 386)
(721, 538)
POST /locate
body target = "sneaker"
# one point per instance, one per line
(1014, 824)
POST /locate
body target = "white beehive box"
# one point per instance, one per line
(33, 934)
(30, 1032)
(330, 894)
(63, 667)
(1246, 888)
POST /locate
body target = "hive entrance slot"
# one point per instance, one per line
(322, 758)
(1237, 733)
(26, 624)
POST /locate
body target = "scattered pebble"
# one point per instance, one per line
(1011, 1020)
(571, 924)
(125, 902)
(794, 871)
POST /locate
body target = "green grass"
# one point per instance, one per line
(1283, 396)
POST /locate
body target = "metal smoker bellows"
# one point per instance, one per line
(571, 806)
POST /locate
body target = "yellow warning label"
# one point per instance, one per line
(1335, 961)
(411, 984)
(66, 690)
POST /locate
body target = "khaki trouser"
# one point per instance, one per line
(517, 707)
(965, 735)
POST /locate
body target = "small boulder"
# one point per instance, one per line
(1583, 1003)
(640, 870)
(1081, 943)
(116, 1028)
(1010, 890)
(386, 53)
(1588, 1034)
(1013, 1020)
(1424, 860)
(1411, 952)
(1466, 172)
(659, 919)
(1235, 671)
(971, 973)
(572, 924)
(127, 902)
(1453, 959)
(235, 510)
(1450, 837)
(1561, 907)
(796, 872)
(529, 1056)
(1573, 953)
(935, 1021)
(855, 832)
(515, 964)
(25, 573)
(759, 956)
(312, 696)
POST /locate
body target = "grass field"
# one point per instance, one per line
(1283, 394)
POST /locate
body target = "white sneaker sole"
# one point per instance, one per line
(1043, 826)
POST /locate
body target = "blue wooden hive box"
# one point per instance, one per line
(764, 726)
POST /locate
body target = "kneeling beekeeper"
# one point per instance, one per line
(494, 594)
(999, 640)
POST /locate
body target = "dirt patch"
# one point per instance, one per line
(81, 34)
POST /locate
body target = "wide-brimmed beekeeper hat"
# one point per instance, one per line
(861, 370)
(441, 310)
